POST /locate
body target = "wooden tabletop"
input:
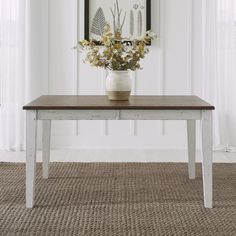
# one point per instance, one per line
(67, 102)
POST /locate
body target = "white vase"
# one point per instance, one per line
(118, 85)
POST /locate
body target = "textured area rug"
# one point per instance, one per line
(109, 199)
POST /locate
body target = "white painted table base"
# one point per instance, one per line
(189, 115)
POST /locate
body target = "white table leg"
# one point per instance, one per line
(46, 147)
(31, 132)
(207, 157)
(191, 130)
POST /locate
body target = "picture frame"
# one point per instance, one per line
(135, 18)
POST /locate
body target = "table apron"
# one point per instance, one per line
(119, 114)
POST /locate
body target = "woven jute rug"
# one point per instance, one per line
(117, 199)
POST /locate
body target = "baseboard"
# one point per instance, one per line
(118, 155)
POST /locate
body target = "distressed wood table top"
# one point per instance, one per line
(67, 102)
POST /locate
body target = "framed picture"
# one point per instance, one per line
(129, 18)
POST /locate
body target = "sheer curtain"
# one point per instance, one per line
(23, 65)
(12, 73)
(219, 63)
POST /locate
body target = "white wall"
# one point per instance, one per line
(173, 67)
(167, 70)
(37, 50)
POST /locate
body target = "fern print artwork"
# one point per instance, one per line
(126, 18)
(140, 23)
(99, 23)
(131, 22)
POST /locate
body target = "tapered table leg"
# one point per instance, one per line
(207, 157)
(46, 147)
(191, 127)
(31, 132)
